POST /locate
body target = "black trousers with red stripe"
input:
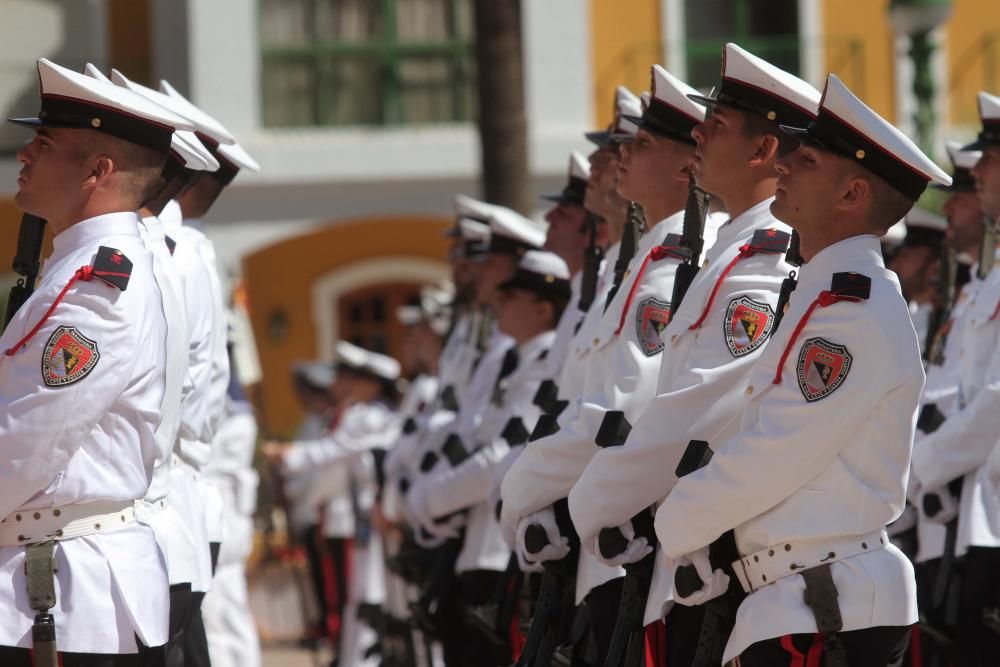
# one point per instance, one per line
(882, 646)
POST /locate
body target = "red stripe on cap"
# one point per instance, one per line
(878, 146)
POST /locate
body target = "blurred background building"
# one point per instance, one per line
(363, 116)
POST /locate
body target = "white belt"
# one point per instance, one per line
(782, 560)
(62, 523)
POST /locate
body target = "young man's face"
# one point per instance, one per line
(915, 265)
(987, 175)
(568, 234)
(965, 222)
(53, 171)
(494, 269)
(808, 187)
(648, 162)
(521, 314)
(722, 149)
(601, 194)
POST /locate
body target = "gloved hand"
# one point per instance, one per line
(714, 583)
(635, 550)
(938, 506)
(557, 545)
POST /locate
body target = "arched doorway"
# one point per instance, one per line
(343, 280)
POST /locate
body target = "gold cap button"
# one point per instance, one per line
(95, 122)
(860, 154)
(771, 115)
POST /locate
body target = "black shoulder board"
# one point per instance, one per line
(112, 267)
(673, 248)
(171, 244)
(770, 240)
(852, 284)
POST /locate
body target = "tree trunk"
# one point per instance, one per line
(503, 129)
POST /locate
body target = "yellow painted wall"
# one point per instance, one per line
(281, 277)
(625, 39)
(973, 56)
(10, 222)
(859, 49)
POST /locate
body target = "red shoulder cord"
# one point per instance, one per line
(84, 273)
(655, 254)
(746, 250)
(825, 298)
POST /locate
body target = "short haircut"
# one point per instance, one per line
(888, 205)
(139, 167)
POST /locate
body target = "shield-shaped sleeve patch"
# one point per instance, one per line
(69, 356)
(747, 325)
(651, 318)
(822, 367)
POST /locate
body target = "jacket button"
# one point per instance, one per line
(597, 341)
(750, 390)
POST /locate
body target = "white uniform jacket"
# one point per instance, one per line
(941, 389)
(711, 344)
(172, 532)
(469, 484)
(622, 368)
(822, 453)
(362, 428)
(81, 406)
(569, 321)
(964, 442)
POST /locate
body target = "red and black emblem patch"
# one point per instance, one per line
(69, 357)
(748, 323)
(822, 367)
(651, 319)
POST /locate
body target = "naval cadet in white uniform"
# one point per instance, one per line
(820, 462)
(84, 385)
(962, 446)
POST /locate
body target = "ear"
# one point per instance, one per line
(854, 195)
(766, 150)
(99, 170)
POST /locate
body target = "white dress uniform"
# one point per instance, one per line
(819, 465)
(962, 445)
(710, 345)
(85, 434)
(469, 484)
(229, 626)
(821, 455)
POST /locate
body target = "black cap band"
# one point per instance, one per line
(667, 121)
(837, 136)
(547, 286)
(573, 193)
(508, 246)
(746, 97)
(59, 111)
(961, 181)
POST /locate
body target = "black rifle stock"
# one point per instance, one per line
(593, 255)
(27, 263)
(634, 223)
(987, 246)
(947, 276)
(692, 243)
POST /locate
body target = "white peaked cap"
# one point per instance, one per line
(513, 232)
(670, 109)
(989, 115)
(359, 359)
(72, 99)
(579, 165)
(752, 84)
(922, 218)
(542, 272)
(850, 128)
(468, 207)
(544, 263)
(204, 123)
(184, 143)
(319, 374)
(473, 230)
(626, 105)
(237, 155)
(576, 183)
(961, 158)
(962, 162)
